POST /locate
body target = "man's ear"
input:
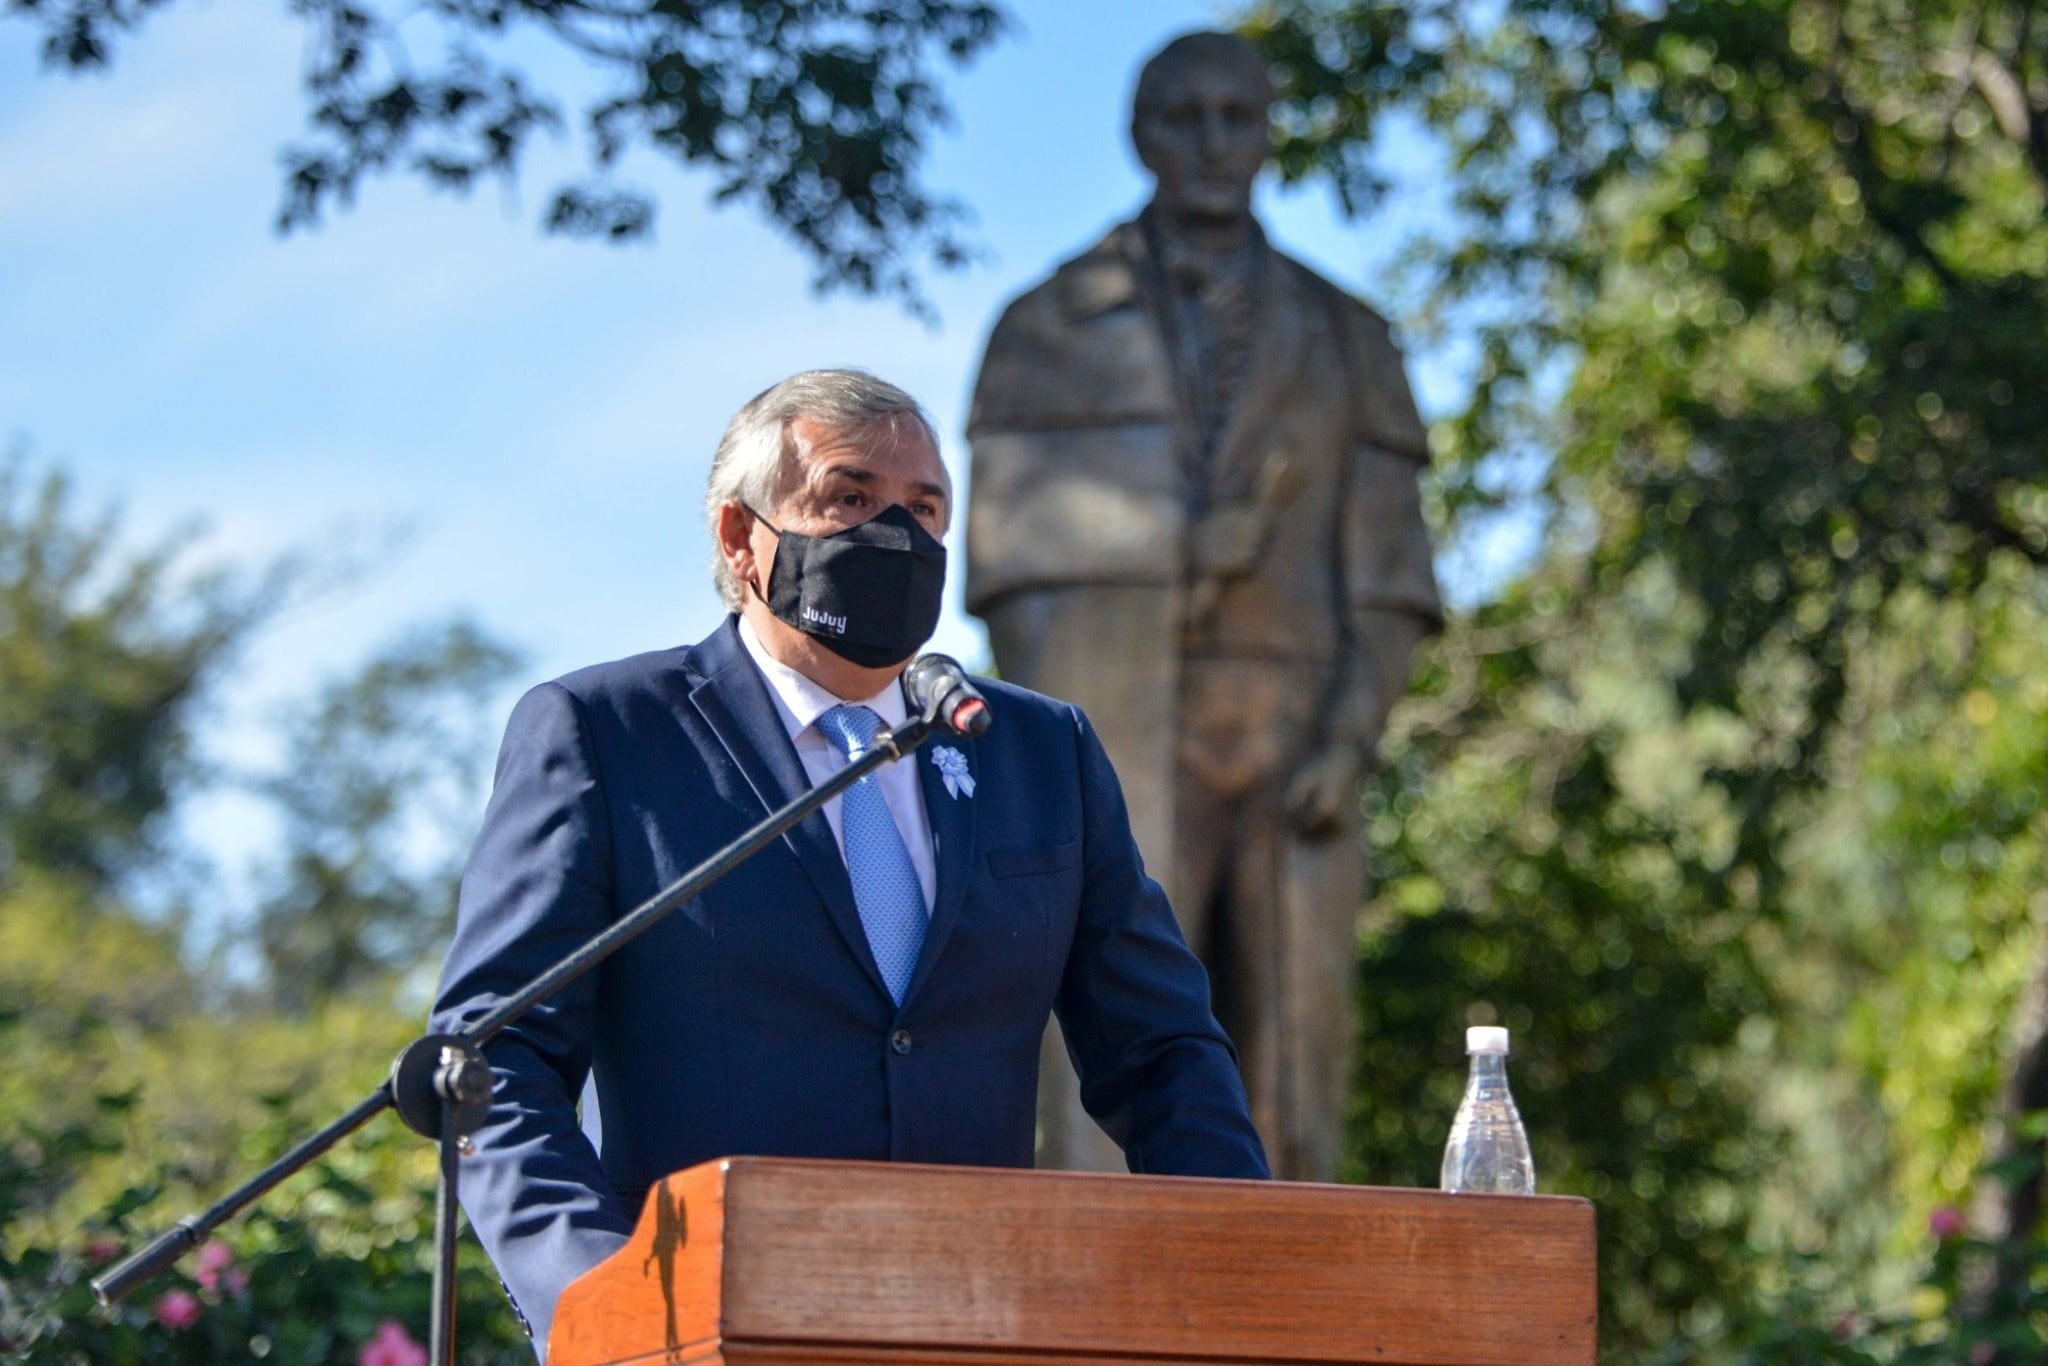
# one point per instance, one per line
(736, 542)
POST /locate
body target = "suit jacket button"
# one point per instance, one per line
(900, 1041)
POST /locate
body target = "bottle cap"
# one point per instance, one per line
(1486, 1039)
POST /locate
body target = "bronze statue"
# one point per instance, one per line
(1194, 513)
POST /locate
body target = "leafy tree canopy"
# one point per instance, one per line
(1792, 252)
(104, 656)
(1758, 288)
(813, 112)
(379, 793)
(138, 1083)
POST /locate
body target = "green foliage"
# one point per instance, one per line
(104, 655)
(1809, 1325)
(1932, 854)
(1741, 1084)
(379, 792)
(312, 1276)
(815, 114)
(1551, 857)
(1796, 252)
(105, 1005)
(1731, 804)
(136, 1088)
(87, 987)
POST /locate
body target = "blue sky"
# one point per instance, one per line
(505, 424)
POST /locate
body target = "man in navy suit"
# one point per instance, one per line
(875, 984)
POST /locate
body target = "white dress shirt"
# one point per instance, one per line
(800, 702)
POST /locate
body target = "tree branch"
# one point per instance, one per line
(2002, 84)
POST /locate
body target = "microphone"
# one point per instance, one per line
(939, 688)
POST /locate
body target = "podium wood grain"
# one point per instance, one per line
(808, 1263)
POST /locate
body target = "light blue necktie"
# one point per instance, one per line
(885, 885)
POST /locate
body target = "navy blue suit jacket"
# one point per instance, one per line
(753, 1019)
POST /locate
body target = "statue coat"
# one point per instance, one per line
(1217, 607)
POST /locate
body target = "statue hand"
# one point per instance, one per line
(1325, 790)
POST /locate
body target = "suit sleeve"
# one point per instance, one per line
(1157, 1071)
(536, 887)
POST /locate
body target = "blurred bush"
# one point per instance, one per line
(335, 1267)
(145, 1074)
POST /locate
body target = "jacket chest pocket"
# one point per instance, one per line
(1036, 894)
(1007, 865)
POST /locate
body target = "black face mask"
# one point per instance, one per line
(869, 593)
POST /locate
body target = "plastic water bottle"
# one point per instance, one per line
(1488, 1151)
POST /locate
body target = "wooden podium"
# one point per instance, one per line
(758, 1260)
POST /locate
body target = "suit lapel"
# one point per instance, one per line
(952, 820)
(734, 702)
(1279, 344)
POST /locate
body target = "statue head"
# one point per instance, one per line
(1200, 125)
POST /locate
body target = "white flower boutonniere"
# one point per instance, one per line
(952, 766)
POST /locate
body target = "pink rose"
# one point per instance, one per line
(101, 1248)
(213, 1259)
(177, 1310)
(1946, 1222)
(392, 1346)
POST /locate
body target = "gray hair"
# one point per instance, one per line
(759, 457)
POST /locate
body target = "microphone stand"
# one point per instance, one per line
(440, 1084)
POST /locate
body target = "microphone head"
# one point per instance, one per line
(931, 677)
(971, 718)
(924, 668)
(939, 688)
